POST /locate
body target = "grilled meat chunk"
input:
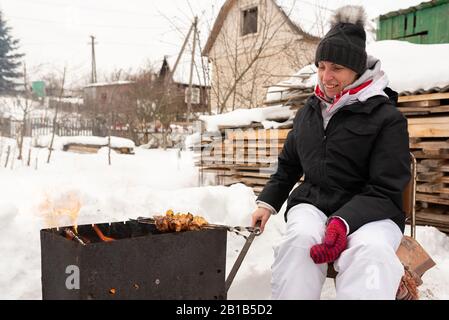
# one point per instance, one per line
(179, 222)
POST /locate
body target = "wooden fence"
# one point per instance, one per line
(65, 127)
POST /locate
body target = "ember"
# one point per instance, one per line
(101, 235)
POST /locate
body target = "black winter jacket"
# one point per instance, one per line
(356, 169)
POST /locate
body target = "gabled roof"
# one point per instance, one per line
(182, 72)
(224, 11)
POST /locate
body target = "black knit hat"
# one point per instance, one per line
(344, 44)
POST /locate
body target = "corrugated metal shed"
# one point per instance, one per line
(426, 23)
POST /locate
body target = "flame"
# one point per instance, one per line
(56, 211)
(101, 235)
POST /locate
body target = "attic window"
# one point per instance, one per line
(249, 20)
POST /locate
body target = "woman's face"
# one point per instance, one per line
(334, 77)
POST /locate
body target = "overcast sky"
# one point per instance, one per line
(54, 33)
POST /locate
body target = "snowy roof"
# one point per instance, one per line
(103, 84)
(422, 69)
(74, 100)
(420, 6)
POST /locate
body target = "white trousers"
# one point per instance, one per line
(367, 269)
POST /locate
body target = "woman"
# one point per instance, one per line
(351, 144)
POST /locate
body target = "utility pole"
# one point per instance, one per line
(170, 76)
(93, 76)
(189, 97)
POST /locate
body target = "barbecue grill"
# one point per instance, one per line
(137, 262)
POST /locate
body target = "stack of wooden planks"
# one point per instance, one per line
(247, 156)
(428, 125)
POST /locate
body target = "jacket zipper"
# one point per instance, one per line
(324, 145)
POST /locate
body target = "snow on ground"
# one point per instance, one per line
(144, 184)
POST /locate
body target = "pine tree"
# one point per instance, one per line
(9, 59)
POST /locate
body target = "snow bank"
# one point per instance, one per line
(192, 140)
(244, 117)
(436, 280)
(60, 142)
(423, 67)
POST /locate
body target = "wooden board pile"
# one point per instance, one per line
(428, 125)
(241, 155)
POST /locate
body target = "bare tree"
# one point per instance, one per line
(55, 117)
(26, 108)
(120, 109)
(52, 83)
(158, 101)
(144, 98)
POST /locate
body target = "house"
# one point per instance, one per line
(253, 44)
(426, 23)
(103, 96)
(179, 90)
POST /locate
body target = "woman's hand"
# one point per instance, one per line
(262, 215)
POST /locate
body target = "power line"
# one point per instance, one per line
(53, 4)
(190, 7)
(112, 43)
(316, 5)
(83, 25)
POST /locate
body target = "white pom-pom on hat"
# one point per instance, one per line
(349, 14)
